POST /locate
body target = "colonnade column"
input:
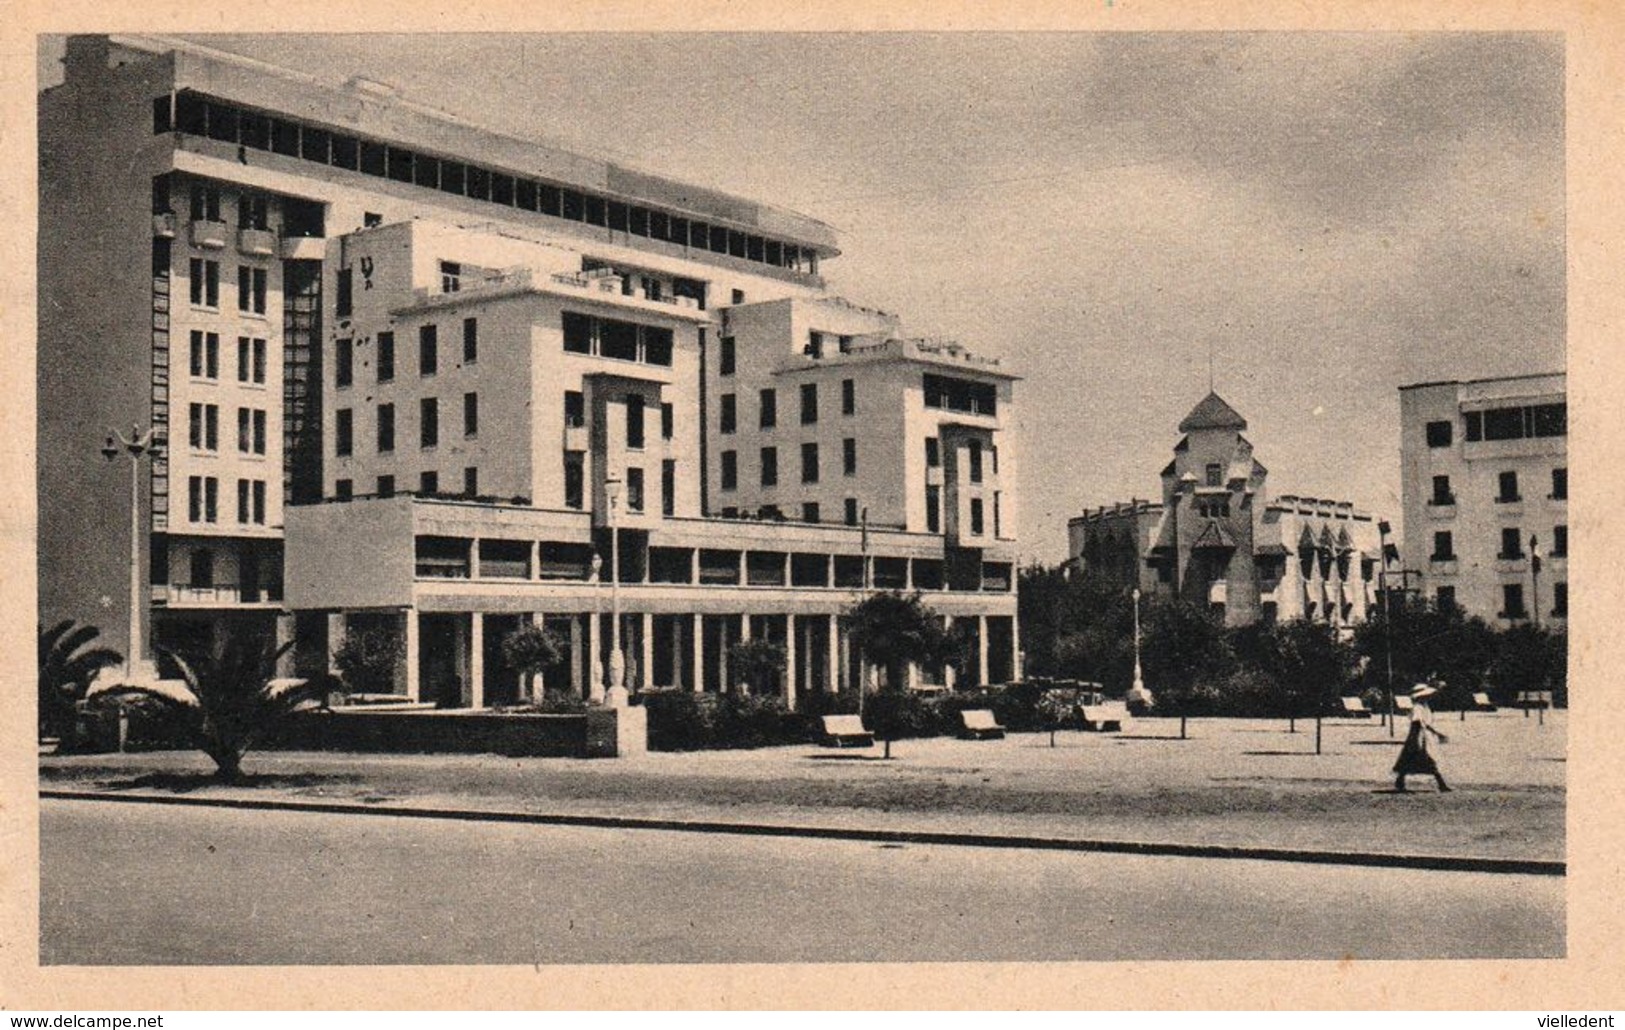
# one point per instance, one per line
(832, 672)
(646, 670)
(790, 662)
(595, 676)
(335, 640)
(698, 645)
(410, 636)
(578, 658)
(476, 659)
(981, 650)
(949, 673)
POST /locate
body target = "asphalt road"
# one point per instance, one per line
(137, 884)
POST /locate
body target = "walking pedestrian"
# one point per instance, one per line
(1417, 756)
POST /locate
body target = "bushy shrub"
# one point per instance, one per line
(681, 720)
(1251, 694)
(368, 659)
(902, 715)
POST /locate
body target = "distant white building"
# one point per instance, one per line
(1486, 486)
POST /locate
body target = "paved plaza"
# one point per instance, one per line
(1247, 783)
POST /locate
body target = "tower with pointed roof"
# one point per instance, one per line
(1218, 537)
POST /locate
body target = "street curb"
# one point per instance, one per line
(1447, 863)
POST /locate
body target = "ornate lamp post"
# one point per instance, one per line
(136, 445)
(616, 696)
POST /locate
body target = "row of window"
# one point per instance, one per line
(1512, 604)
(428, 485)
(1507, 491)
(428, 353)
(617, 339)
(191, 113)
(204, 357)
(1444, 546)
(973, 457)
(253, 209)
(769, 464)
(575, 416)
(1522, 422)
(203, 500)
(203, 430)
(204, 286)
(768, 406)
(428, 425)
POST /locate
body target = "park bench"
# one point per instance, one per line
(1355, 707)
(846, 730)
(1109, 716)
(1534, 699)
(979, 724)
(1482, 703)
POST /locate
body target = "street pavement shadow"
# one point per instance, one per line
(1282, 753)
(185, 783)
(1173, 736)
(842, 756)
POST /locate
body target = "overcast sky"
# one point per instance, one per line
(1333, 215)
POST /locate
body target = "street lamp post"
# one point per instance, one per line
(1387, 624)
(1534, 576)
(135, 445)
(616, 696)
(1139, 681)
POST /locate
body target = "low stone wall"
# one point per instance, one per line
(517, 735)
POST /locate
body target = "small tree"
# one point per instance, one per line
(530, 650)
(1184, 654)
(757, 663)
(1311, 664)
(895, 630)
(66, 672)
(228, 700)
(1054, 708)
(368, 660)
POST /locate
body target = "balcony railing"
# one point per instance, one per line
(209, 234)
(164, 224)
(257, 242)
(218, 594)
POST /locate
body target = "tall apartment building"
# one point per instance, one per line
(403, 365)
(1486, 486)
(1219, 538)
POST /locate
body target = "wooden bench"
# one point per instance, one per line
(845, 731)
(1355, 707)
(1534, 699)
(1482, 703)
(979, 724)
(1104, 717)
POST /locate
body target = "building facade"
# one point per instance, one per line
(409, 372)
(1218, 537)
(1485, 487)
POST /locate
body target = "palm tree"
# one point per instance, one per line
(65, 673)
(228, 699)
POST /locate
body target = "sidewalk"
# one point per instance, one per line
(1235, 783)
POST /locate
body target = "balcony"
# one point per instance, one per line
(575, 436)
(1442, 510)
(209, 235)
(256, 242)
(1442, 564)
(163, 225)
(216, 595)
(303, 248)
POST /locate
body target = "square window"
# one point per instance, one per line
(386, 486)
(343, 489)
(1511, 543)
(809, 511)
(1508, 487)
(1440, 434)
(1443, 546)
(851, 513)
(429, 483)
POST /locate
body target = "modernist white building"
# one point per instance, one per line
(1486, 486)
(402, 365)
